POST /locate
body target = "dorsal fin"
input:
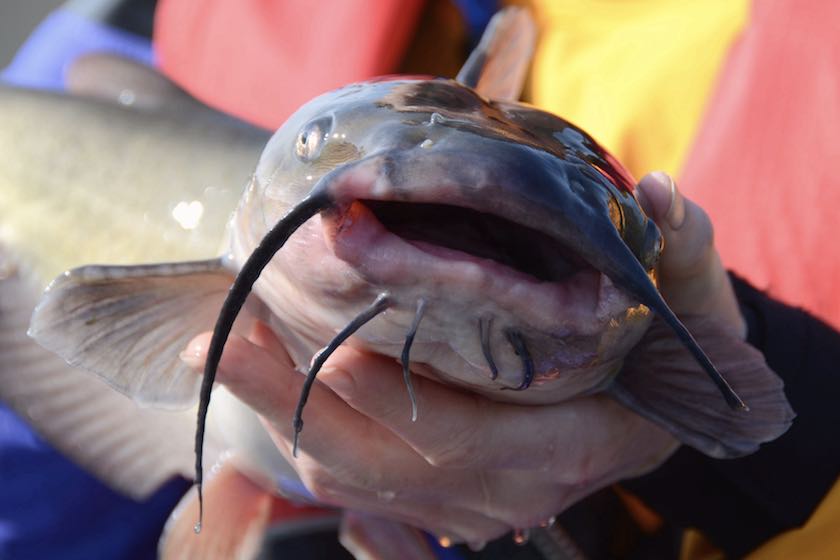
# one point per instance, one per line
(499, 64)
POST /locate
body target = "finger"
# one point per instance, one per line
(693, 279)
(374, 538)
(685, 226)
(574, 441)
(345, 459)
(262, 377)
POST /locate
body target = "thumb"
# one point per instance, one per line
(689, 250)
(692, 277)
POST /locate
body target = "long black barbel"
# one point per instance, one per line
(380, 304)
(484, 335)
(518, 343)
(634, 279)
(732, 398)
(610, 255)
(405, 356)
(248, 275)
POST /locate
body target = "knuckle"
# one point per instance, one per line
(532, 514)
(576, 468)
(465, 446)
(481, 534)
(572, 477)
(459, 451)
(322, 485)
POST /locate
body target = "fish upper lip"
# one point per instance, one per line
(578, 305)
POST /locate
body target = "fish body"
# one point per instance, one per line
(94, 181)
(85, 180)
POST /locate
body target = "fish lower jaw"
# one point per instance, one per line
(579, 304)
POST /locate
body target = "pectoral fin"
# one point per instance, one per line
(133, 450)
(661, 381)
(129, 324)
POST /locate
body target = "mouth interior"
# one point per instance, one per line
(482, 235)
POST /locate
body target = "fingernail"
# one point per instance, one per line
(338, 380)
(675, 216)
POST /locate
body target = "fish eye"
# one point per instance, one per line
(311, 138)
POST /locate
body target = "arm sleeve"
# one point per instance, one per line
(740, 504)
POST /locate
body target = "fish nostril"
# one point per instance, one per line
(389, 168)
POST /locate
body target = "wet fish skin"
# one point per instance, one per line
(85, 180)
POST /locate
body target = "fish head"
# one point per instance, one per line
(496, 215)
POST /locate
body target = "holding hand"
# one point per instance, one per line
(470, 469)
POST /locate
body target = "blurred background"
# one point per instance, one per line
(17, 20)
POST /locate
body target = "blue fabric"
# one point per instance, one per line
(477, 14)
(58, 40)
(443, 553)
(50, 508)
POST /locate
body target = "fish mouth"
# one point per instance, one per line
(441, 227)
(435, 239)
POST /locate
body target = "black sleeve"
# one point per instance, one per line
(740, 503)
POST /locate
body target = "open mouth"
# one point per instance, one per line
(430, 226)
(478, 261)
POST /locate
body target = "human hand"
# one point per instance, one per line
(469, 469)
(691, 275)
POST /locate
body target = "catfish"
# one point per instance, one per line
(482, 242)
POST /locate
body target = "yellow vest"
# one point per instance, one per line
(636, 74)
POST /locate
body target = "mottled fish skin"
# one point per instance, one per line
(439, 142)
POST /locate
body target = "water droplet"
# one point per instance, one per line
(427, 143)
(197, 528)
(127, 97)
(521, 536)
